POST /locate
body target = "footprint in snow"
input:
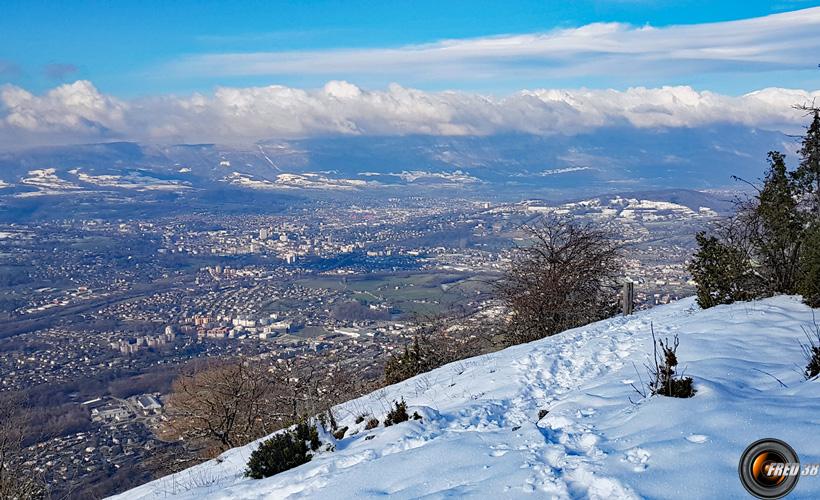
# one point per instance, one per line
(697, 438)
(499, 451)
(638, 457)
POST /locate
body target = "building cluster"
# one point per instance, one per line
(231, 327)
(121, 439)
(131, 346)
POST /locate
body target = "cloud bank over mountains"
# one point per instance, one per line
(79, 112)
(780, 45)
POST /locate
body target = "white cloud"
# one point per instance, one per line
(785, 41)
(77, 108)
(78, 112)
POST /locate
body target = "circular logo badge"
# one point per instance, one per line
(769, 468)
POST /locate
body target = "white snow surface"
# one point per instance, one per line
(481, 436)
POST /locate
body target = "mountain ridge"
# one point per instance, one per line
(614, 158)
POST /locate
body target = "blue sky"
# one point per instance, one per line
(132, 49)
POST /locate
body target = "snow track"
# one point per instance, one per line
(481, 435)
(569, 445)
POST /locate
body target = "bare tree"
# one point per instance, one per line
(807, 108)
(18, 481)
(566, 277)
(219, 406)
(222, 405)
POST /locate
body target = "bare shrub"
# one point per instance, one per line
(811, 350)
(663, 379)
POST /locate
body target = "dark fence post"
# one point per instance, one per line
(628, 298)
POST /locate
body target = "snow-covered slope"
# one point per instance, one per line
(481, 435)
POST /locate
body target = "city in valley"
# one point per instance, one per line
(101, 313)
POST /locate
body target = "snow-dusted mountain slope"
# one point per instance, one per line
(481, 435)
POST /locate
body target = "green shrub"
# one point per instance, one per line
(807, 174)
(722, 272)
(283, 451)
(809, 285)
(778, 228)
(759, 250)
(397, 414)
(308, 432)
(371, 424)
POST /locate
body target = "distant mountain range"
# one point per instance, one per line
(508, 167)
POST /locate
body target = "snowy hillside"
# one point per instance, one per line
(481, 435)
